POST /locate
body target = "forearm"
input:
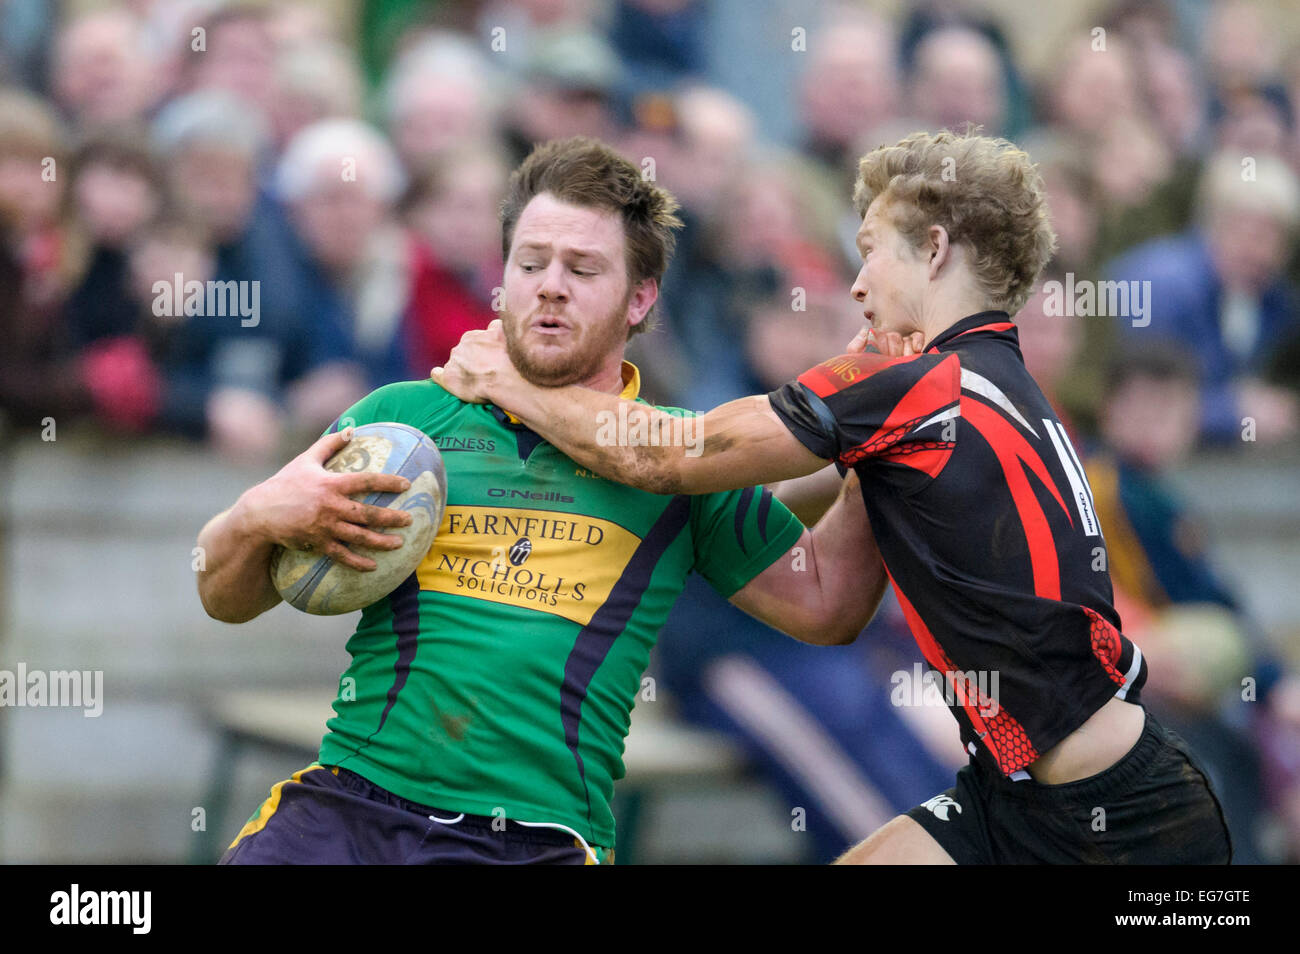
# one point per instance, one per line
(739, 444)
(585, 424)
(234, 577)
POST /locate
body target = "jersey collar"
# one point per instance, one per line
(995, 321)
(631, 375)
(631, 382)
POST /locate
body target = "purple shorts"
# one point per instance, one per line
(325, 815)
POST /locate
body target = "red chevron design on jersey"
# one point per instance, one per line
(938, 389)
(1014, 453)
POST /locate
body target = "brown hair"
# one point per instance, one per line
(984, 191)
(585, 172)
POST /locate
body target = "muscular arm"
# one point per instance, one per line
(302, 505)
(829, 585)
(736, 445)
(235, 583)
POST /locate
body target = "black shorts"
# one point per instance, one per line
(1154, 806)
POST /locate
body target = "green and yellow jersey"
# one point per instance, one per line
(500, 677)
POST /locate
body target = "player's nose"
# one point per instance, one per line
(859, 290)
(553, 286)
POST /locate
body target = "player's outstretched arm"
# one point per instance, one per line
(736, 445)
(829, 584)
(304, 506)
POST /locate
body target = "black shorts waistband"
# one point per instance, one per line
(1119, 779)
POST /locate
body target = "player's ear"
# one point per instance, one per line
(644, 295)
(939, 248)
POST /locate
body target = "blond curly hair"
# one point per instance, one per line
(985, 192)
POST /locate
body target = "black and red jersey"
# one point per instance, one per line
(987, 528)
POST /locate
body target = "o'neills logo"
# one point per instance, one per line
(554, 562)
(547, 496)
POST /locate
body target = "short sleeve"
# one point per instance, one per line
(739, 534)
(861, 406)
(422, 404)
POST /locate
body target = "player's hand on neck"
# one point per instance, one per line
(479, 369)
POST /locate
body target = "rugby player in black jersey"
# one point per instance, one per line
(978, 504)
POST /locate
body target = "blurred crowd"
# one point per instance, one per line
(228, 221)
(347, 158)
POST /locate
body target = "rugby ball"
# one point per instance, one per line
(316, 584)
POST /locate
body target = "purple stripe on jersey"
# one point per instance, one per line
(742, 508)
(405, 601)
(594, 640)
(764, 504)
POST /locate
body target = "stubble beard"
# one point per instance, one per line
(571, 365)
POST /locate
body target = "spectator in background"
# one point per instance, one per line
(116, 192)
(1132, 167)
(957, 78)
(1072, 197)
(1170, 87)
(1219, 289)
(212, 145)
(717, 136)
(569, 87)
(1189, 624)
(442, 90)
(340, 181)
(1254, 121)
(850, 88)
(519, 22)
(1238, 49)
(928, 16)
(39, 376)
(1145, 23)
(314, 80)
(103, 69)
(1087, 89)
(1049, 345)
(659, 42)
(452, 210)
(1149, 187)
(776, 219)
(32, 177)
(238, 56)
(149, 371)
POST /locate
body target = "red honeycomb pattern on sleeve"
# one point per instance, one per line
(878, 444)
(918, 446)
(1105, 645)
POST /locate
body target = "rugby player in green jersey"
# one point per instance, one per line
(490, 693)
